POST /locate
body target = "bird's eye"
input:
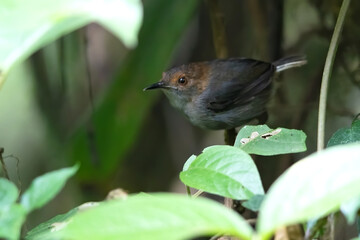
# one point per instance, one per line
(182, 81)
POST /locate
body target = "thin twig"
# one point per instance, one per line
(17, 171)
(188, 191)
(215, 237)
(334, 43)
(3, 164)
(198, 193)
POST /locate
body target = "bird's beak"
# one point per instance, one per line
(155, 85)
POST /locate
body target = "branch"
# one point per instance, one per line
(327, 73)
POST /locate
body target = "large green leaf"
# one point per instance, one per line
(161, 216)
(119, 116)
(311, 188)
(346, 135)
(45, 187)
(8, 192)
(223, 170)
(11, 219)
(26, 26)
(262, 140)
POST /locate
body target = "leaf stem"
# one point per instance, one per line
(198, 193)
(6, 174)
(334, 43)
(188, 191)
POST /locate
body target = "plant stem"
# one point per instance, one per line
(334, 43)
(188, 191)
(198, 193)
(6, 174)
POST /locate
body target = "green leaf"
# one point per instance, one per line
(43, 231)
(8, 192)
(223, 170)
(160, 216)
(346, 135)
(45, 187)
(11, 219)
(254, 203)
(350, 209)
(311, 188)
(262, 140)
(26, 26)
(189, 162)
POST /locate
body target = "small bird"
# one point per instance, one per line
(222, 93)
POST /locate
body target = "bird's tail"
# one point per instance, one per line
(289, 62)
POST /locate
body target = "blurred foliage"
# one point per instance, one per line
(118, 117)
(134, 139)
(40, 192)
(45, 21)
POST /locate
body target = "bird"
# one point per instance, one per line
(223, 93)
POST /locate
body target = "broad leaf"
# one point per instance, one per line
(157, 217)
(8, 192)
(43, 230)
(311, 188)
(223, 170)
(45, 187)
(346, 135)
(262, 140)
(11, 219)
(26, 26)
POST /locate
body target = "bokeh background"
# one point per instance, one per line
(80, 98)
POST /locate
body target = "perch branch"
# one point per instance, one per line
(334, 43)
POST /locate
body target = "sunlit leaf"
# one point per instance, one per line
(223, 170)
(262, 140)
(8, 192)
(26, 26)
(157, 217)
(311, 188)
(11, 219)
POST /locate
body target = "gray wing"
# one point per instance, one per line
(248, 79)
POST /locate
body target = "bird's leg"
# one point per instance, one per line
(230, 136)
